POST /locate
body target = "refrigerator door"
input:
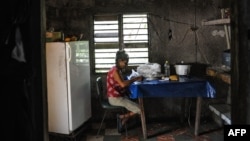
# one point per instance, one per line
(80, 97)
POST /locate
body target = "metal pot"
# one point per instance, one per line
(182, 68)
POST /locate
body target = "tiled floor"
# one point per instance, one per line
(157, 131)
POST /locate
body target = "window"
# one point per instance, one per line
(111, 32)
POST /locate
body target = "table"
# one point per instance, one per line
(184, 87)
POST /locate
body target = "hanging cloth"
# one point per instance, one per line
(18, 51)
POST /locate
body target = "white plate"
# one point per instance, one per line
(163, 80)
(137, 82)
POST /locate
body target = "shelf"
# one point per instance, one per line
(220, 74)
(216, 22)
(223, 111)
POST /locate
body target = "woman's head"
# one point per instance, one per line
(121, 57)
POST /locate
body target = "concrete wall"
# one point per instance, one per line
(189, 41)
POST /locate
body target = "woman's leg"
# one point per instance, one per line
(126, 116)
(131, 106)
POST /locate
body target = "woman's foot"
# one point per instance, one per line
(124, 118)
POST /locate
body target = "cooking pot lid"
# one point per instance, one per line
(182, 63)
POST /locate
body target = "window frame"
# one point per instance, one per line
(134, 49)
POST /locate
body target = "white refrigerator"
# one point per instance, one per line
(68, 85)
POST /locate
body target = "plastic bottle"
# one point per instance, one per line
(167, 69)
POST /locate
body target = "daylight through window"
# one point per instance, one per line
(111, 32)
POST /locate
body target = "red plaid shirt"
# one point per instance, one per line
(113, 88)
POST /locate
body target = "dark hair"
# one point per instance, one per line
(121, 54)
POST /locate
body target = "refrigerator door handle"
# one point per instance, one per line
(69, 51)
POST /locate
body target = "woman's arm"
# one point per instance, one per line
(124, 83)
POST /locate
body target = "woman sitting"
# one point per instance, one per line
(117, 89)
